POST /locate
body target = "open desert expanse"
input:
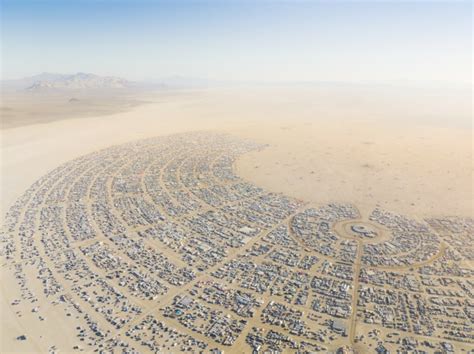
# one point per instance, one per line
(368, 145)
(364, 145)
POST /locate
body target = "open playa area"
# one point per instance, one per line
(369, 145)
(240, 219)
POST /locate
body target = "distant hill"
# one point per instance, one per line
(48, 81)
(54, 82)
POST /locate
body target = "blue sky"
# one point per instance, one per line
(240, 40)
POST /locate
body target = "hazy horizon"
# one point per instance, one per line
(268, 41)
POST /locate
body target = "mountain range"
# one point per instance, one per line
(55, 82)
(47, 81)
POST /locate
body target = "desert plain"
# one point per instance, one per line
(408, 148)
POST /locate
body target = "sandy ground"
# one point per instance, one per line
(422, 172)
(22, 108)
(410, 152)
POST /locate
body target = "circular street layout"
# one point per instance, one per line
(158, 246)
